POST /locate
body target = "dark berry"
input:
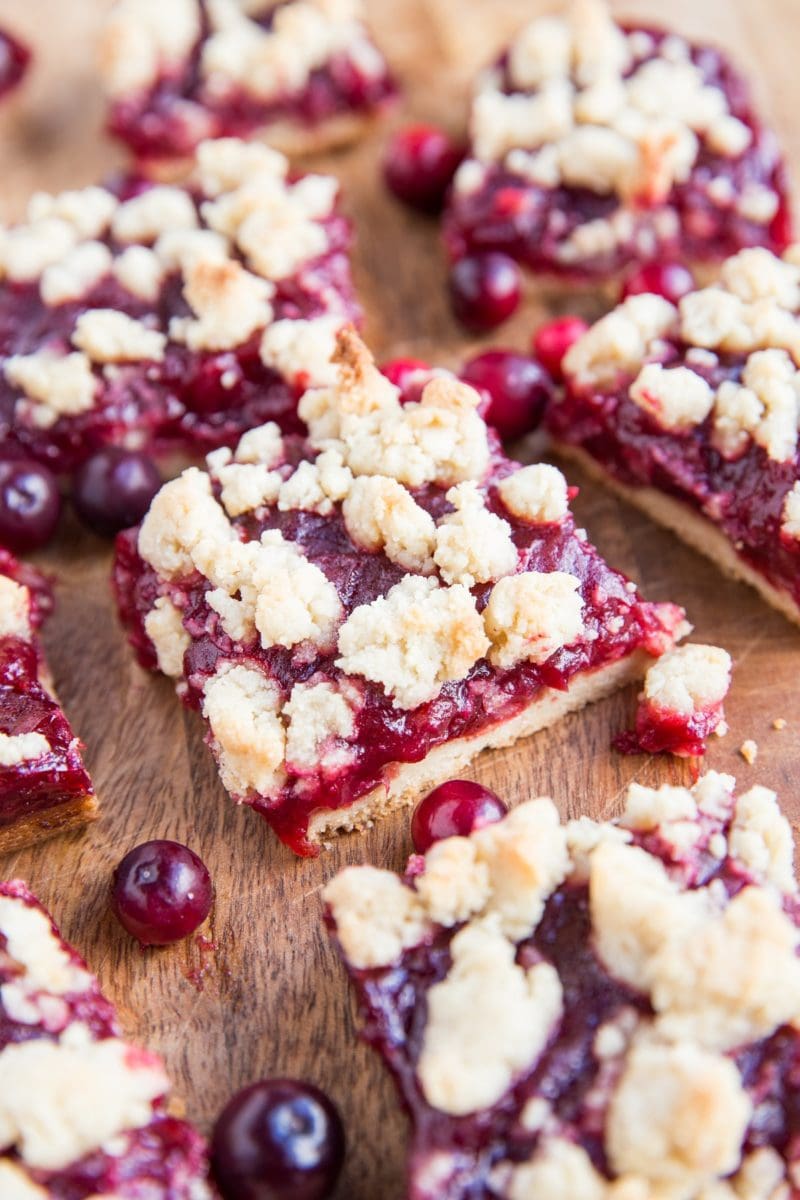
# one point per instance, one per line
(30, 504)
(112, 490)
(552, 341)
(278, 1140)
(670, 280)
(419, 165)
(485, 289)
(454, 809)
(517, 386)
(161, 892)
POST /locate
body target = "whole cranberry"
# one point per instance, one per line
(112, 490)
(419, 165)
(485, 289)
(552, 341)
(402, 371)
(161, 892)
(278, 1140)
(454, 809)
(518, 390)
(671, 280)
(30, 504)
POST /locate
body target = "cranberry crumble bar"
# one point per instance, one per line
(44, 786)
(306, 72)
(594, 1011)
(596, 147)
(681, 704)
(692, 414)
(356, 615)
(83, 1113)
(170, 318)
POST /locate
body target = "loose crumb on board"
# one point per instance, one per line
(779, 723)
(749, 751)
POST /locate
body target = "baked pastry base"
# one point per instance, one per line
(49, 822)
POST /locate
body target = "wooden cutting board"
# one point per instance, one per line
(271, 997)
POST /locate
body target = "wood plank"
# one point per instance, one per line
(273, 997)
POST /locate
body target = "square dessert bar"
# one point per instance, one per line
(358, 614)
(305, 72)
(170, 319)
(692, 414)
(595, 147)
(83, 1114)
(591, 1011)
(44, 786)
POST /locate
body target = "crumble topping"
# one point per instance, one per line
(242, 707)
(689, 677)
(22, 747)
(30, 942)
(537, 494)
(164, 626)
(473, 545)
(380, 514)
(317, 486)
(15, 609)
(582, 111)
(487, 1020)
(676, 1088)
(227, 245)
(106, 336)
(531, 615)
(320, 719)
(790, 524)
(749, 751)
(676, 398)
(413, 639)
(145, 37)
(752, 311)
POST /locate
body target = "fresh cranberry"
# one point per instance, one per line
(518, 389)
(112, 490)
(485, 289)
(278, 1140)
(670, 280)
(161, 892)
(401, 371)
(454, 809)
(30, 505)
(419, 165)
(552, 341)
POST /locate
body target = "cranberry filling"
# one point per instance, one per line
(744, 497)
(189, 402)
(510, 213)
(568, 1075)
(14, 61)
(664, 731)
(617, 623)
(169, 119)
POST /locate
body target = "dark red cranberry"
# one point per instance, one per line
(518, 390)
(278, 1140)
(419, 165)
(112, 490)
(485, 289)
(30, 505)
(161, 892)
(552, 341)
(670, 280)
(401, 371)
(454, 809)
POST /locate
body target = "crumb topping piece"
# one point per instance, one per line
(583, 106)
(688, 678)
(531, 615)
(537, 494)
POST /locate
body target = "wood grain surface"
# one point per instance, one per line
(271, 997)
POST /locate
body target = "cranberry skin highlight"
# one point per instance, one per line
(518, 388)
(485, 289)
(30, 505)
(454, 809)
(419, 165)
